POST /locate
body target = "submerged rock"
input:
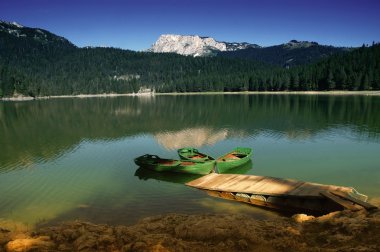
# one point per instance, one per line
(41, 243)
(302, 217)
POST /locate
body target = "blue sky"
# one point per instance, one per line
(137, 24)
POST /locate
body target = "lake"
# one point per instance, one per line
(72, 158)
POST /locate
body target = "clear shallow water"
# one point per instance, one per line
(70, 159)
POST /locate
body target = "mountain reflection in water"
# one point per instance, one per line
(195, 137)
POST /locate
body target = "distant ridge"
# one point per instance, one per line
(292, 53)
(288, 54)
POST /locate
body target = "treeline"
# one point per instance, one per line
(355, 70)
(292, 54)
(56, 67)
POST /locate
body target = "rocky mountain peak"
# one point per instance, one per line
(194, 45)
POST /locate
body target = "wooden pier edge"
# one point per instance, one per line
(286, 190)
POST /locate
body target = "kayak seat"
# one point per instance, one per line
(231, 156)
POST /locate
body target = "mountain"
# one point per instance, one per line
(38, 35)
(34, 66)
(293, 53)
(194, 45)
(35, 62)
(19, 44)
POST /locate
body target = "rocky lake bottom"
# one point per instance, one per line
(337, 231)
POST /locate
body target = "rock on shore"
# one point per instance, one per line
(338, 231)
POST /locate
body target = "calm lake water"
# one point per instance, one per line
(64, 159)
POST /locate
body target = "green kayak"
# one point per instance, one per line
(193, 154)
(196, 167)
(156, 163)
(235, 158)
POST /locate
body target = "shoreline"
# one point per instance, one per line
(336, 231)
(341, 93)
(335, 92)
(28, 98)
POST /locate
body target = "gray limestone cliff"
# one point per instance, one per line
(194, 45)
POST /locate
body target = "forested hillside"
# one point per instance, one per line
(293, 53)
(35, 62)
(357, 70)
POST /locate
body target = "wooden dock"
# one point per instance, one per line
(281, 193)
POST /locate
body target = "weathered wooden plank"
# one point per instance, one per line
(262, 185)
(249, 185)
(311, 189)
(256, 185)
(235, 182)
(366, 205)
(216, 181)
(252, 184)
(306, 189)
(344, 203)
(295, 189)
(269, 186)
(225, 180)
(202, 180)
